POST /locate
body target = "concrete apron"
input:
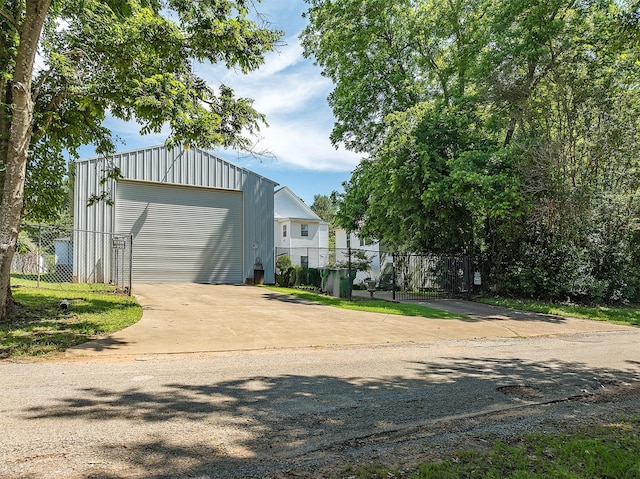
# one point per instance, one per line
(191, 318)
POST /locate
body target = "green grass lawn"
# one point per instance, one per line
(596, 452)
(42, 328)
(368, 305)
(619, 315)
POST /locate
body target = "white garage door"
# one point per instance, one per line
(181, 234)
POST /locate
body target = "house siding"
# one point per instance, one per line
(372, 250)
(292, 212)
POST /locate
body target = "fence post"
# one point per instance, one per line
(349, 282)
(130, 263)
(393, 276)
(468, 265)
(38, 254)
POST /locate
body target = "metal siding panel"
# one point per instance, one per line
(169, 165)
(145, 162)
(156, 160)
(166, 166)
(211, 175)
(187, 161)
(182, 178)
(207, 176)
(197, 169)
(182, 234)
(125, 167)
(258, 225)
(91, 257)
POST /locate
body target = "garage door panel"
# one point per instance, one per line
(182, 234)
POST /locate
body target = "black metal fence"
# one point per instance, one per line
(425, 276)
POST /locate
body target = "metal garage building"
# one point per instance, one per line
(192, 217)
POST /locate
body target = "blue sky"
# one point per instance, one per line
(292, 94)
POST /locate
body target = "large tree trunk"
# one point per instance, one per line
(18, 145)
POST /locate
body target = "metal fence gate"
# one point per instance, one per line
(122, 262)
(424, 276)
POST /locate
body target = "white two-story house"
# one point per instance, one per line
(371, 249)
(299, 232)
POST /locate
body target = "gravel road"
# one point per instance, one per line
(302, 412)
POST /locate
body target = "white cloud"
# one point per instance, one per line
(281, 59)
(306, 145)
(276, 62)
(129, 133)
(292, 94)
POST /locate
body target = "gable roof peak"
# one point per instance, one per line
(289, 205)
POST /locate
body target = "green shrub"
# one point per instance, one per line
(283, 263)
(292, 274)
(554, 270)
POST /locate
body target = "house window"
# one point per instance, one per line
(304, 261)
(304, 230)
(284, 231)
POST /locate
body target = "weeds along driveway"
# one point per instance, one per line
(184, 318)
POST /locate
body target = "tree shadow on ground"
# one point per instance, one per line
(42, 327)
(384, 306)
(482, 312)
(286, 298)
(247, 427)
(100, 344)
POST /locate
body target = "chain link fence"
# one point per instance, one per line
(54, 256)
(309, 265)
(402, 276)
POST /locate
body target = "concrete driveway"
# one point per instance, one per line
(190, 318)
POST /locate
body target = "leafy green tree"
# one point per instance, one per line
(362, 46)
(629, 25)
(388, 56)
(425, 187)
(360, 261)
(131, 59)
(504, 129)
(579, 171)
(324, 207)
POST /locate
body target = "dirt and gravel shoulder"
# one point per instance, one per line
(402, 451)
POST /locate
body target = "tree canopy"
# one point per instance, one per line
(506, 130)
(324, 207)
(130, 59)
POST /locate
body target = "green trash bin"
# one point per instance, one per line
(324, 279)
(346, 282)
